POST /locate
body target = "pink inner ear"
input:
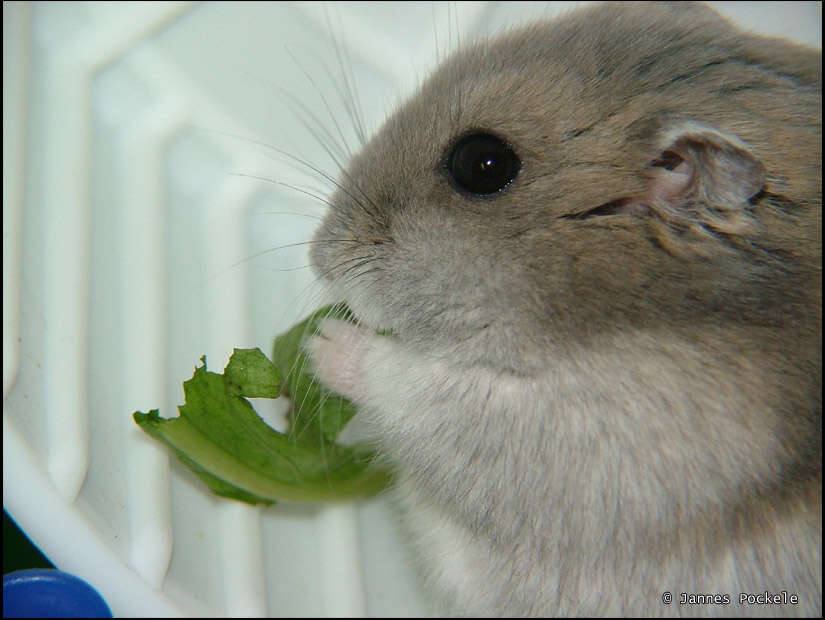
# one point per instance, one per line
(671, 177)
(718, 168)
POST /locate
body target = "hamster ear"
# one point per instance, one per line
(700, 163)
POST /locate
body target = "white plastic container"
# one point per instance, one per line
(141, 204)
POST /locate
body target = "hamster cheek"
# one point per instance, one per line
(337, 355)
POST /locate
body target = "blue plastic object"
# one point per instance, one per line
(50, 593)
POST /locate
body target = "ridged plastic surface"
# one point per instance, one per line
(142, 205)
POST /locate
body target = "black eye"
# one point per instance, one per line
(482, 164)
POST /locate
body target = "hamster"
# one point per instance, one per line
(593, 245)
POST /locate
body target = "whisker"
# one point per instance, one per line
(320, 92)
(286, 268)
(326, 273)
(449, 30)
(315, 217)
(351, 274)
(364, 261)
(372, 284)
(281, 183)
(351, 101)
(299, 161)
(305, 291)
(339, 265)
(290, 156)
(457, 27)
(435, 35)
(280, 247)
(303, 360)
(340, 186)
(347, 98)
(367, 272)
(300, 110)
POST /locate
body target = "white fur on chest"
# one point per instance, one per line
(576, 492)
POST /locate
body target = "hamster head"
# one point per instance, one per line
(620, 167)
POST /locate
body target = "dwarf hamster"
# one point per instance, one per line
(595, 243)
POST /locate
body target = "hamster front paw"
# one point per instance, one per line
(337, 355)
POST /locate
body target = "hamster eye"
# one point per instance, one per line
(482, 164)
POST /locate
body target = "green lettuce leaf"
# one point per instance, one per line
(253, 374)
(317, 415)
(221, 438)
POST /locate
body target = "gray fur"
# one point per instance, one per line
(604, 382)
